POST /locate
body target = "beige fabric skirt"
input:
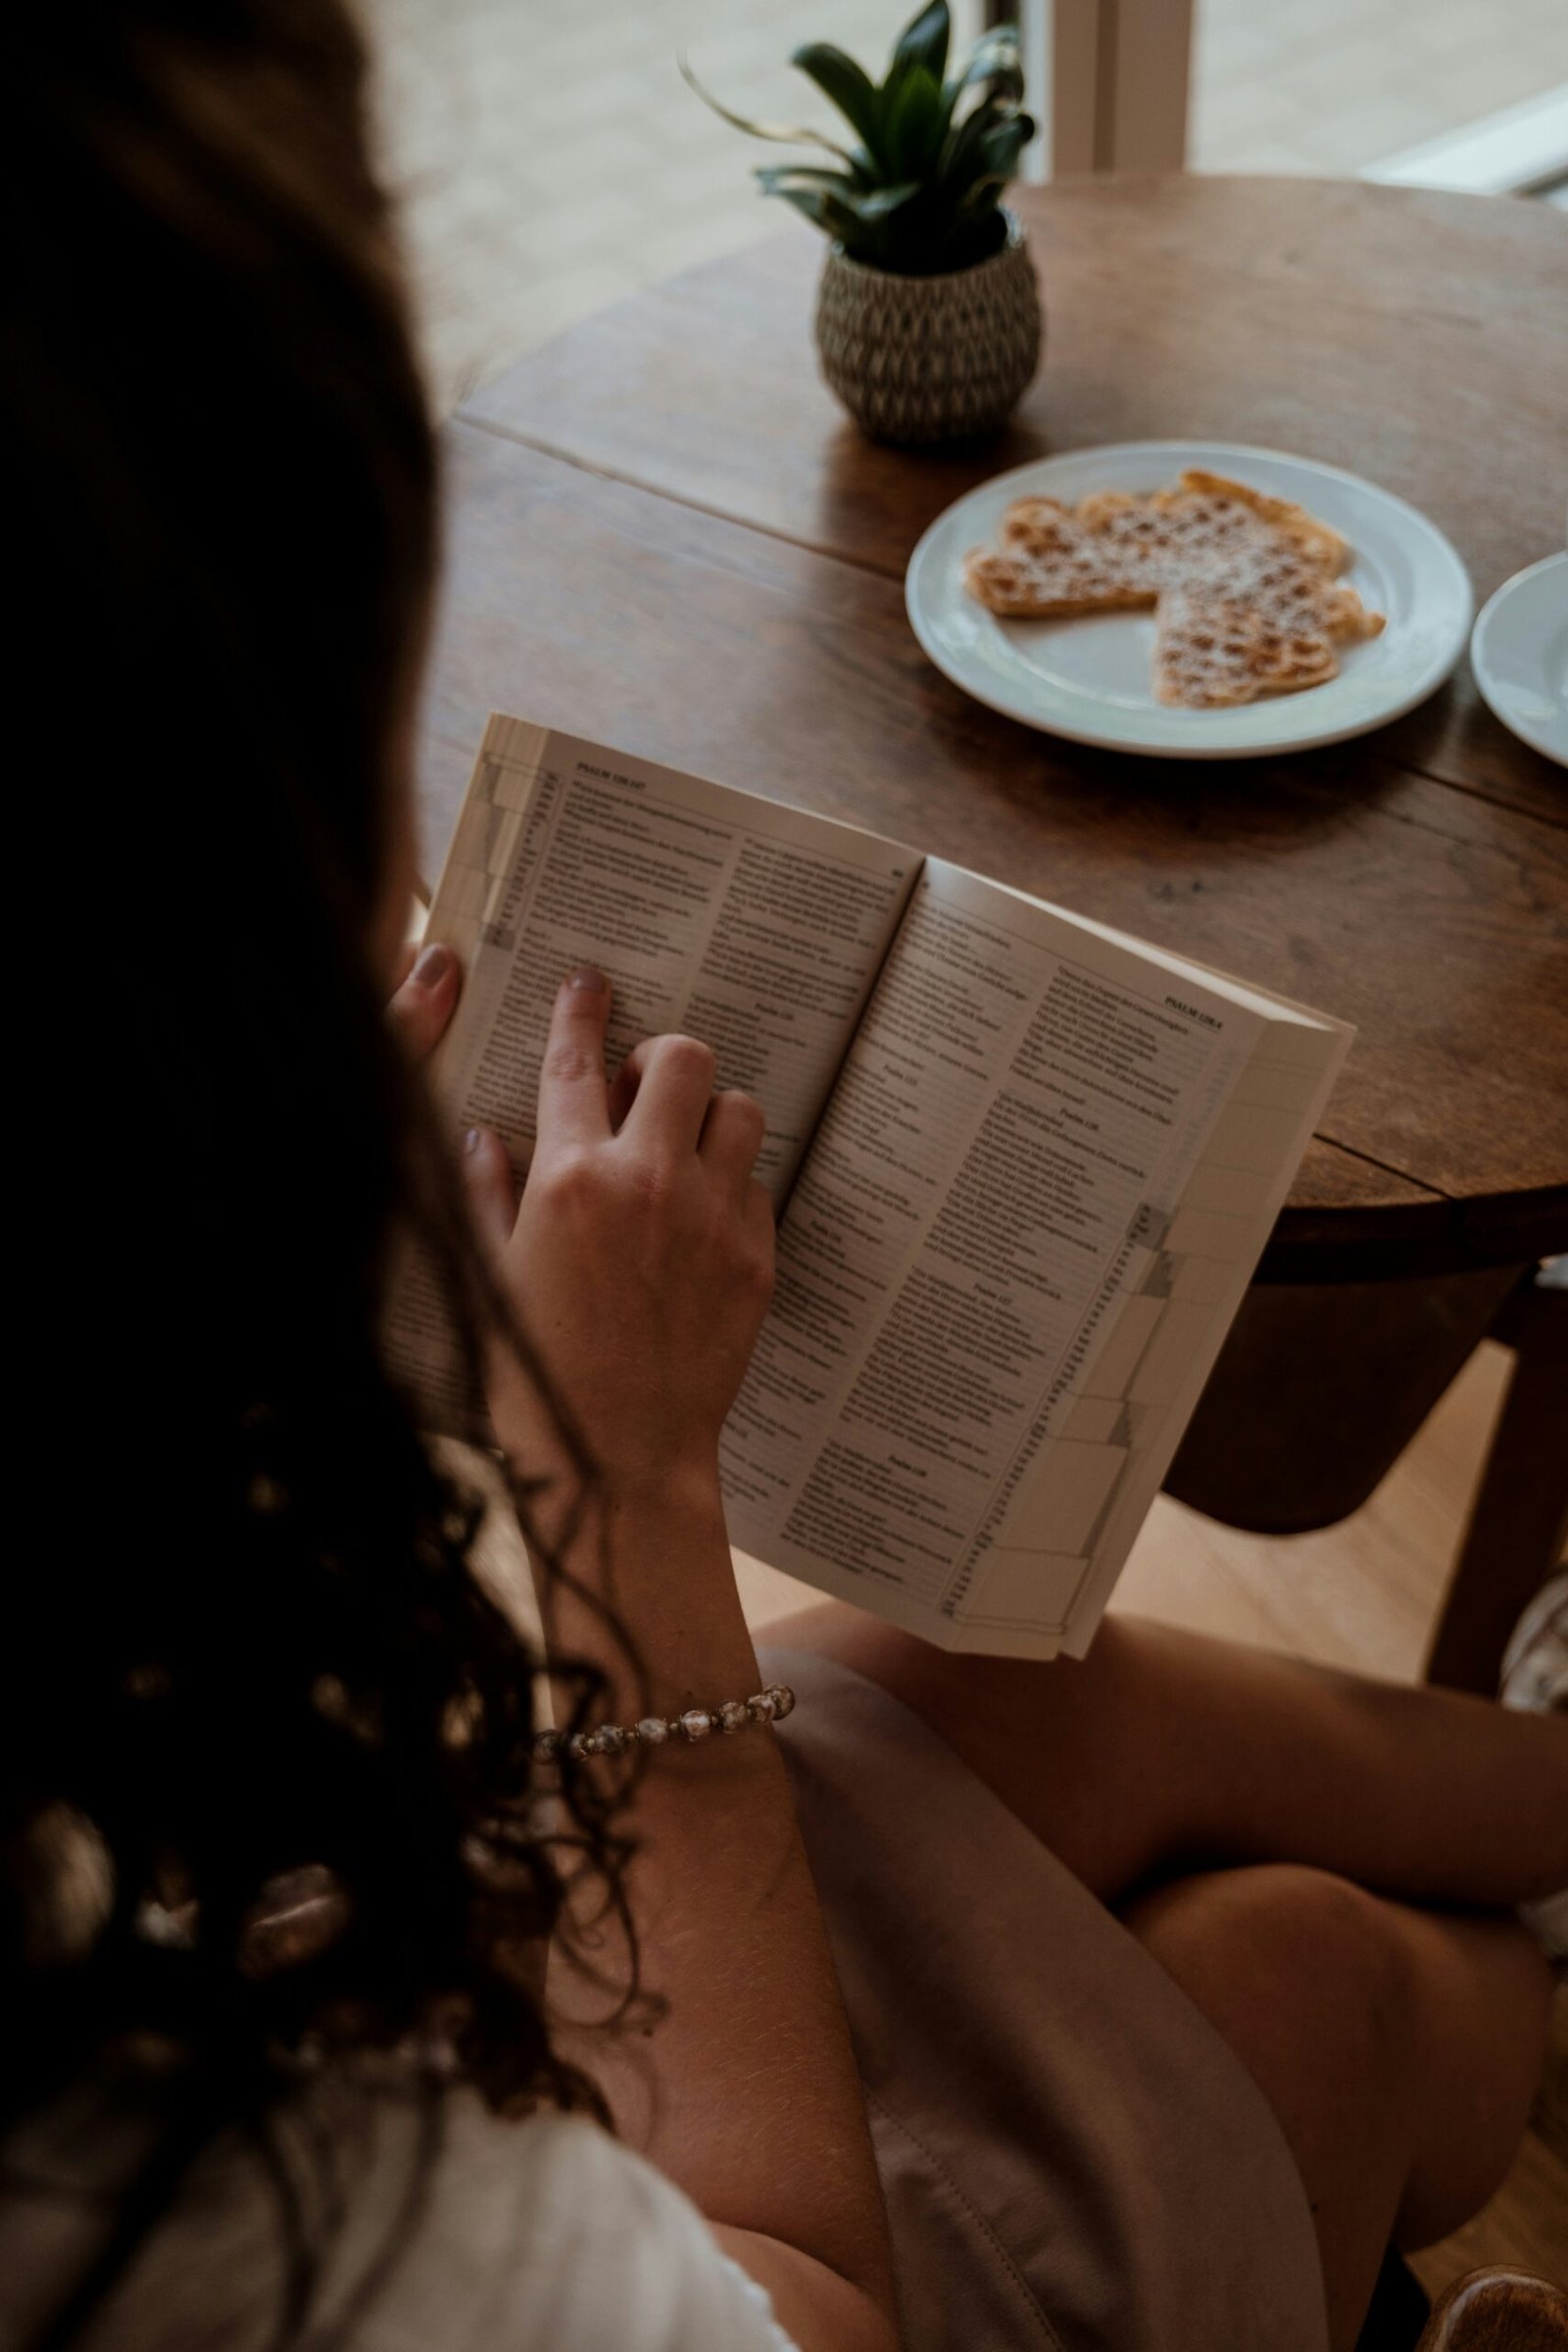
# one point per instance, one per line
(1073, 2158)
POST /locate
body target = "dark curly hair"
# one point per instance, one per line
(246, 1673)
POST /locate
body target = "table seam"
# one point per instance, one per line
(690, 506)
(1386, 1167)
(1475, 791)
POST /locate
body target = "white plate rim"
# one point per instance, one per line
(1215, 745)
(1486, 626)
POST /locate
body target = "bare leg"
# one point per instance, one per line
(1399, 2049)
(1163, 1749)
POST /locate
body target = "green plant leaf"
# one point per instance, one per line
(847, 85)
(775, 180)
(872, 208)
(881, 204)
(988, 143)
(915, 124)
(832, 202)
(976, 202)
(1001, 143)
(992, 62)
(923, 43)
(854, 181)
(784, 133)
(960, 151)
(825, 212)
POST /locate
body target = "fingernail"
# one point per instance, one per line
(432, 967)
(473, 1139)
(587, 975)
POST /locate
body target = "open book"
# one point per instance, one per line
(1023, 1167)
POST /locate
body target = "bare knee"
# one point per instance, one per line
(1301, 1955)
(1481, 2001)
(1267, 1911)
(1396, 2046)
(1300, 1971)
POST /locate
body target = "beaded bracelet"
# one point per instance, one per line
(697, 1723)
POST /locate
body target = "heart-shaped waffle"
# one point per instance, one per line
(1245, 588)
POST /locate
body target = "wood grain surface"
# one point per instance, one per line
(729, 599)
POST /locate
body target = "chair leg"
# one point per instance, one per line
(1498, 2310)
(1519, 1519)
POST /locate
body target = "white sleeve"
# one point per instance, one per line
(551, 2237)
(761, 2302)
(646, 2273)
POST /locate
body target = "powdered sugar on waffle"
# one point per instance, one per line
(1245, 588)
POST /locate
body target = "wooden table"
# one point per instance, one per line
(664, 532)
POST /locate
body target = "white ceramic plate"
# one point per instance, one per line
(1519, 654)
(1090, 678)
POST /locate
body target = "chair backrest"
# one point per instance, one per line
(1498, 2311)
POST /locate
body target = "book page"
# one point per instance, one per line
(756, 927)
(1000, 1159)
(1046, 1577)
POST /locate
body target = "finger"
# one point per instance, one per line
(759, 1222)
(675, 1085)
(427, 1001)
(732, 1136)
(573, 1099)
(624, 1084)
(487, 1181)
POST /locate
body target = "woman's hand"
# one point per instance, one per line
(641, 1259)
(425, 999)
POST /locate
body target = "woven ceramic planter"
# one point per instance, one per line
(930, 359)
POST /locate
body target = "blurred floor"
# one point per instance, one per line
(551, 159)
(1325, 86)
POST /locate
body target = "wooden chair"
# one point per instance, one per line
(1498, 2311)
(1519, 1518)
(1352, 1368)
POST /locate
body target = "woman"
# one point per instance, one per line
(1168, 1987)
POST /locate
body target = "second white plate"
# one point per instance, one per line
(1089, 678)
(1519, 654)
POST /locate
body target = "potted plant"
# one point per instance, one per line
(928, 319)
